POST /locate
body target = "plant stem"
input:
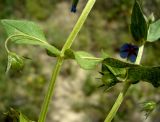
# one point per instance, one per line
(78, 25)
(122, 94)
(60, 59)
(44, 43)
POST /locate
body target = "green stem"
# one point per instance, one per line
(78, 25)
(122, 94)
(44, 43)
(60, 60)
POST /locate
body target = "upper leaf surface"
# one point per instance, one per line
(148, 74)
(26, 32)
(117, 63)
(138, 25)
(134, 72)
(86, 60)
(14, 27)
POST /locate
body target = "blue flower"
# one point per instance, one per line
(74, 6)
(73, 9)
(129, 51)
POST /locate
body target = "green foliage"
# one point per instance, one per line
(23, 118)
(134, 72)
(154, 31)
(114, 71)
(69, 54)
(15, 116)
(109, 78)
(14, 27)
(117, 63)
(148, 107)
(139, 27)
(144, 73)
(15, 62)
(26, 32)
(86, 60)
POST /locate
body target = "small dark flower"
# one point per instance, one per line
(73, 9)
(129, 51)
(74, 6)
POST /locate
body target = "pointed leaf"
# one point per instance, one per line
(148, 74)
(23, 118)
(86, 60)
(13, 27)
(134, 72)
(117, 63)
(138, 25)
(27, 32)
(154, 32)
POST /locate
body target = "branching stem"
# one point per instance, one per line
(56, 70)
(122, 94)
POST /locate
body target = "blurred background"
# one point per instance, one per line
(77, 97)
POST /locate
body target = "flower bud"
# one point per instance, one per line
(74, 6)
(14, 61)
(148, 107)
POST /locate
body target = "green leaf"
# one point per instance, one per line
(86, 60)
(69, 54)
(117, 63)
(134, 72)
(143, 73)
(14, 27)
(26, 32)
(15, 116)
(23, 118)
(154, 32)
(138, 25)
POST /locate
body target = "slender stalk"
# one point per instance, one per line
(122, 94)
(60, 59)
(44, 43)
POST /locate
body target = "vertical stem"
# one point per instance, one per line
(50, 90)
(60, 59)
(122, 94)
